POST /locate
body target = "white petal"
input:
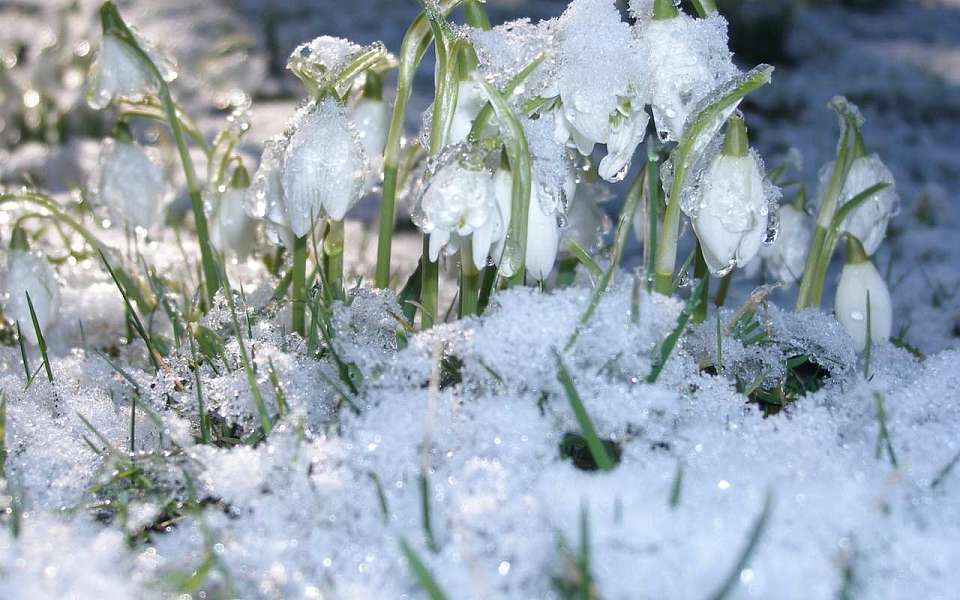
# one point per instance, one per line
(30, 273)
(131, 186)
(543, 240)
(438, 239)
(850, 305)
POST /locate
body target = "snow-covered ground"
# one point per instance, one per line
(850, 492)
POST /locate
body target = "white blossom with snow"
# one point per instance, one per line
(119, 73)
(30, 273)
(857, 282)
(731, 218)
(868, 222)
(784, 259)
(324, 167)
(371, 117)
(131, 186)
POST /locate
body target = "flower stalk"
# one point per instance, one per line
(114, 25)
(298, 287)
(693, 142)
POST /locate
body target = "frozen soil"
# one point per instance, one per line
(319, 509)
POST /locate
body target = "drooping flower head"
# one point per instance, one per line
(29, 273)
(232, 230)
(686, 59)
(868, 222)
(324, 166)
(129, 184)
(731, 217)
(862, 298)
(602, 84)
(119, 72)
(785, 257)
(457, 201)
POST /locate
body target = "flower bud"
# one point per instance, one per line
(371, 116)
(785, 258)
(129, 184)
(543, 236)
(731, 218)
(860, 283)
(868, 222)
(30, 273)
(324, 167)
(119, 73)
(233, 230)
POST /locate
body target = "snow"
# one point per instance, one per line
(299, 515)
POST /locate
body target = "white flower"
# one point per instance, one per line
(459, 202)
(868, 222)
(372, 120)
(30, 273)
(543, 236)
(686, 59)
(587, 223)
(856, 281)
(118, 73)
(601, 85)
(784, 259)
(233, 230)
(470, 101)
(264, 198)
(130, 185)
(324, 167)
(731, 220)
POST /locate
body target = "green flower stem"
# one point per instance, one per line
(821, 250)
(113, 24)
(414, 45)
(700, 271)
(652, 171)
(721, 297)
(333, 257)
(469, 282)
(665, 9)
(299, 287)
(56, 212)
(475, 16)
(695, 139)
(429, 287)
(705, 8)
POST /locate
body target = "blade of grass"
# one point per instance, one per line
(421, 573)
(753, 540)
(597, 450)
(41, 342)
(883, 434)
(138, 325)
(666, 347)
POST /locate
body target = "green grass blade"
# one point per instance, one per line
(23, 355)
(756, 533)
(584, 258)
(422, 574)
(596, 447)
(945, 471)
(138, 325)
(668, 344)
(41, 342)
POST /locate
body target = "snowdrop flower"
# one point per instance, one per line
(686, 59)
(600, 83)
(784, 258)
(264, 199)
(470, 101)
(868, 222)
(587, 223)
(543, 236)
(129, 184)
(233, 230)
(731, 218)
(371, 116)
(459, 202)
(858, 281)
(119, 73)
(324, 167)
(29, 273)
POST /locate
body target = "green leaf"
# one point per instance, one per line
(597, 449)
(668, 344)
